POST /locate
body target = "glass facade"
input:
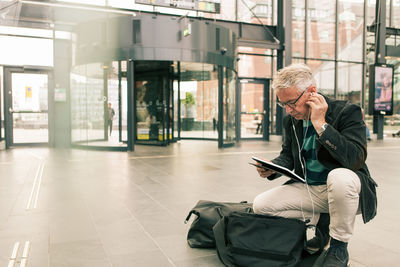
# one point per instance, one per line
(174, 100)
(298, 28)
(330, 36)
(324, 74)
(350, 31)
(321, 29)
(88, 104)
(199, 100)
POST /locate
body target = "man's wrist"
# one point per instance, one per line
(321, 129)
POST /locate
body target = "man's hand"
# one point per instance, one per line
(263, 172)
(318, 108)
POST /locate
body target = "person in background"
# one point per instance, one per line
(325, 143)
(111, 114)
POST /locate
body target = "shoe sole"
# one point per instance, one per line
(312, 251)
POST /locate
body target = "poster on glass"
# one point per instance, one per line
(381, 89)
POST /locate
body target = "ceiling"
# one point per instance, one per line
(49, 14)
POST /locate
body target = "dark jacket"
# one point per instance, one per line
(342, 145)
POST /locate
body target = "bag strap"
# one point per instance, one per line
(259, 254)
(220, 241)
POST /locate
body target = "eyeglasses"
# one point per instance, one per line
(290, 104)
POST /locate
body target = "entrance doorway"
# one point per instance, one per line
(154, 105)
(254, 106)
(26, 106)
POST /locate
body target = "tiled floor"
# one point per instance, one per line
(95, 209)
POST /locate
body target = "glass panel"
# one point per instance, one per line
(88, 105)
(349, 82)
(252, 101)
(26, 51)
(29, 92)
(30, 107)
(96, 104)
(298, 15)
(229, 106)
(78, 105)
(256, 12)
(199, 100)
(272, 110)
(124, 109)
(113, 110)
(350, 30)
(1, 104)
(388, 18)
(395, 13)
(30, 128)
(255, 66)
(129, 5)
(371, 11)
(324, 74)
(321, 29)
(227, 11)
(86, 2)
(396, 91)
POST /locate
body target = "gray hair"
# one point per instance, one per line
(295, 75)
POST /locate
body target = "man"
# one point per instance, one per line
(111, 114)
(324, 142)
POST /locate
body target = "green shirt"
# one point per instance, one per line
(316, 173)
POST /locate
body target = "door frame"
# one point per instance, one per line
(266, 121)
(8, 119)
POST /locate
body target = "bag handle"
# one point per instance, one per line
(219, 211)
(190, 214)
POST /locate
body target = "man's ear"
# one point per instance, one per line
(312, 89)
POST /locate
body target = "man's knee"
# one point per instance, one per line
(343, 180)
(260, 205)
(257, 205)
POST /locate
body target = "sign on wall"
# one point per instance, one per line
(210, 6)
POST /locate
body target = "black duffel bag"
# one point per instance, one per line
(208, 213)
(256, 240)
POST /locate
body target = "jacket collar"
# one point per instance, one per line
(328, 115)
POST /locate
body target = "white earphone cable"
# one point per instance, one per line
(304, 168)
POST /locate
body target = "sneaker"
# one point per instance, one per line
(336, 257)
(317, 244)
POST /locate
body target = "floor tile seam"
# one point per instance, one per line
(385, 248)
(359, 264)
(143, 228)
(151, 237)
(154, 166)
(204, 154)
(383, 147)
(161, 183)
(203, 256)
(97, 231)
(153, 199)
